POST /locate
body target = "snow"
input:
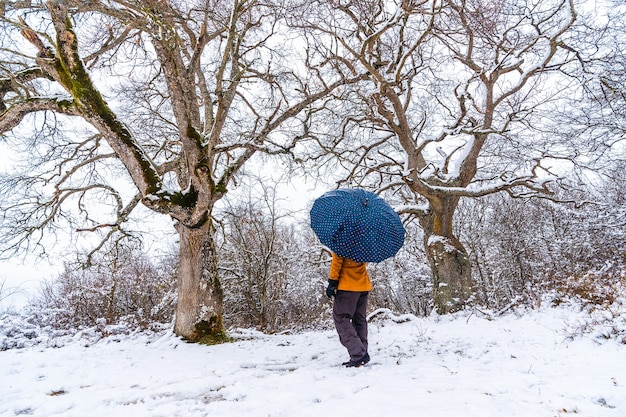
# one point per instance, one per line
(443, 241)
(531, 364)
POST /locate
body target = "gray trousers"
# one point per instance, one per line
(349, 314)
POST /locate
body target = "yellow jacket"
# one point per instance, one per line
(352, 275)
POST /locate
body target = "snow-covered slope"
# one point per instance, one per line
(462, 365)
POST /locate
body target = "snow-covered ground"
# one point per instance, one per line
(461, 365)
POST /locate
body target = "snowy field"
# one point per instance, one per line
(454, 366)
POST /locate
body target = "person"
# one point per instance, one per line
(350, 284)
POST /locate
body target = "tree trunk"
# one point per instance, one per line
(449, 261)
(200, 297)
(452, 283)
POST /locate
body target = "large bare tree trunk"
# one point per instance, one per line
(200, 307)
(448, 259)
(450, 265)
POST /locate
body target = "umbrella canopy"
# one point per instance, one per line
(357, 224)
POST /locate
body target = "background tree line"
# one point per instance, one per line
(273, 269)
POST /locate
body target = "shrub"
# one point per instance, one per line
(122, 285)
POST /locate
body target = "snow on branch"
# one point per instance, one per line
(388, 314)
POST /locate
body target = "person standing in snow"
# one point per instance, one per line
(350, 284)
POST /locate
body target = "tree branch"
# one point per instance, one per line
(14, 115)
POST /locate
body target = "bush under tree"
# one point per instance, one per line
(123, 285)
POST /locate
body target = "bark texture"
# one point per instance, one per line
(200, 298)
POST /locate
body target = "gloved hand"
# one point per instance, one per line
(331, 290)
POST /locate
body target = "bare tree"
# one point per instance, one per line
(7, 292)
(458, 104)
(122, 285)
(254, 263)
(178, 94)
(272, 283)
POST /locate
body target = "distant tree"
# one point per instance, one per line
(522, 249)
(403, 283)
(7, 292)
(121, 284)
(271, 281)
(463, 100)
(153, 103)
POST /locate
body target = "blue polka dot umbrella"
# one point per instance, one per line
(357, 224)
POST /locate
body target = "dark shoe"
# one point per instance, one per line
(359, 362)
